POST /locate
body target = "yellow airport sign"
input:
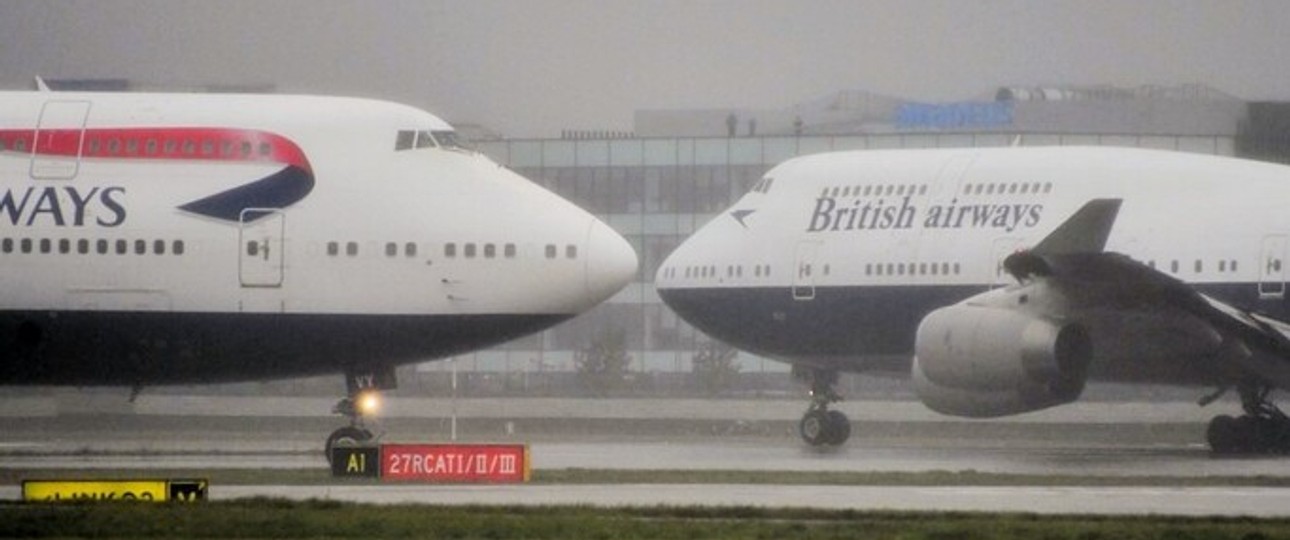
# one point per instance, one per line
(178, 490)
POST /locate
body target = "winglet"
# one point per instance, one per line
(40, 84)
(1084, 232)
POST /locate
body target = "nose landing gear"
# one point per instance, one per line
(360, 407)
(821, 426)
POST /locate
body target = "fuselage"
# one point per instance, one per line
(149, 238)
(833, 260)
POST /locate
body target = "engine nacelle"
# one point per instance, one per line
(982, 361)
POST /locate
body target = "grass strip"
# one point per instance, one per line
(275, 518)
(322, 476)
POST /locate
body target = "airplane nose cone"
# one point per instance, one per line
(611, 262)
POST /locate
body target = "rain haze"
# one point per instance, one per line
(532, 68)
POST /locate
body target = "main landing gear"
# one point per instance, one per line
(360, 405)
(821, 426)
(1263, 429)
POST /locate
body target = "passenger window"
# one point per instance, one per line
(550, 251)
(351, 249)
(45, 245)
(132, 146)
(410, 249)
(490, 251)
(208, 148)
(122, 247)
(265, 149)
(190, 147)
(470, 251)
(391, 249)
(246, 148)
(25, 245)
(253, 248)
(571, 251)
(82, 246)
(509, 250)
(101, 246)
(450, 250)
(333, 248)
(150, 147)
(177, 247)
(64, 246)
(159, 247)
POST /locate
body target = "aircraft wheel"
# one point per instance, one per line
(839, 428)
(814, 427)
(1224, 435)
(346, 436)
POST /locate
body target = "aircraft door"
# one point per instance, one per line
(1272, 283)
(59, 137)
(1000, 249)
(804, 277)
(261, 256)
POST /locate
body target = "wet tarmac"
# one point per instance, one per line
(1068, 446)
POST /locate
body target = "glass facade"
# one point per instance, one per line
(656, 191)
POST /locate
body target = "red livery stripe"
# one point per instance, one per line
(196, 144)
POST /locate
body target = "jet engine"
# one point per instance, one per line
(982, 361)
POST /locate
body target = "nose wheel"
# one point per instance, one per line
(360, 406)
(821, 426)
(357, 409)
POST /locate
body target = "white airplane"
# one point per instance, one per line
(151, 239)
(1011, 276)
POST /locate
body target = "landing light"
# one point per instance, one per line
(369, 403)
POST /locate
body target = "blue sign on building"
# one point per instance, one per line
(954, 115)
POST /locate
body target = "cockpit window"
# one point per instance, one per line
(763, 186)
(405, 140)
(450, 140)
(447, 139)
(424, 140)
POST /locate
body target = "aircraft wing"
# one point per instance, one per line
(1079, 309)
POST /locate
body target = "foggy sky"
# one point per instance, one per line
(533, 67)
